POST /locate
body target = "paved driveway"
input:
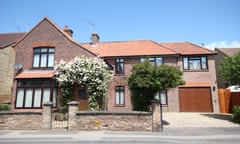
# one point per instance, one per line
(201, 120)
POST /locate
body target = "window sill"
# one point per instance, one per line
(119, 105)
(42, 68)
(118, 74)
(196, 70)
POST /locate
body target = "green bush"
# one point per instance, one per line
(236, 114)
(4, 107)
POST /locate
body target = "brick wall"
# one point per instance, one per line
(20, 120)
(45, 34)
(132, 121)
(7, 60)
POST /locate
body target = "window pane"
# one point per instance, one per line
(204, 62)
(55, 97)
(117, 97)
(51, 50)
(36, 60)
(195, 64)
(20, 95)
(156, 96)
(163, 97)
(159, 61)
(28, 98)
(43, 50)
(37, 50)
(122, 96)
(46, 95)
(50, 60)
(142, 59)
(185, 63)
(152, 60)
(43, 60)
(37, 98)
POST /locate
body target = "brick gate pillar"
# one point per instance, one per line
(156, 116)
(72, 110)
(47, 115)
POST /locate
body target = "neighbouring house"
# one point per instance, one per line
(47, 43)
(7, 61)
(37, 52)
(221, 54)
(199, 94)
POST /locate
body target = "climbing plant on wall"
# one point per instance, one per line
(93, 73)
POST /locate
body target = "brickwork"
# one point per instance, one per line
(45, 34)
(20, 120)
(132, 121)
(7, 60)
(47, 115)
(173, 96)
(72, 110)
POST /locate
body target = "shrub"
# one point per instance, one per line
(236, 114)
(4, 107)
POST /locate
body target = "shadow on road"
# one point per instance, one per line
(226, 117)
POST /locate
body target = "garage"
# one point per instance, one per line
(195, 99)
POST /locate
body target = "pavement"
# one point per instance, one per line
(178, 128)
(201, 120)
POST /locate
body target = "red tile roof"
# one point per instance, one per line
(7, 39)
(187, 48)
(128, 48)
(35, 75)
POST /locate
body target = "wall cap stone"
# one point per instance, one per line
(18, 113)
(112, 113)
(73, 103)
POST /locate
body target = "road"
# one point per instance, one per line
(168, 136)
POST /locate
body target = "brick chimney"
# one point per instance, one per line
(68, 31)
(95, 38)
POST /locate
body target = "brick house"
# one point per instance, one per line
(7, 61)
(221, 54)
(37, 52)
(46, 43)
(199, 94)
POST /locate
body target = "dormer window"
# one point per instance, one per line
(43, 57)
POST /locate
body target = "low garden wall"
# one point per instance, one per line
(120, 121)
(20, 120)
(83, 120)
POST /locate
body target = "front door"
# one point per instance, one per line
(81, 95)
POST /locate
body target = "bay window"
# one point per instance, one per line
(32, 93)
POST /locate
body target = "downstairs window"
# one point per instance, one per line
(32, 93)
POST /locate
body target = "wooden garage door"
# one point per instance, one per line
(197, 99)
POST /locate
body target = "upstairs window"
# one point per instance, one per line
(119, 66)
(195, 63)
(43, 57)
(157, 61)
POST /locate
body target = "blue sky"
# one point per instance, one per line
(215, 23)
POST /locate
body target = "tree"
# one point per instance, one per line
(230, 69)
(91, 73)
(147, 79)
